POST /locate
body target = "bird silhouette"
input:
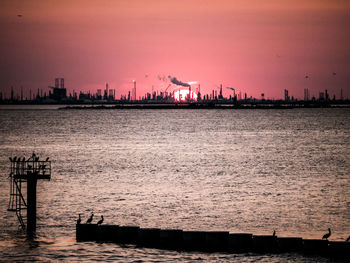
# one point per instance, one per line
(79, 220)
(348, 239)
(47, 159)
(90, 218)
(100, 221)
(274, 233)
(327, 235)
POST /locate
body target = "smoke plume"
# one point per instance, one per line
(178, 82)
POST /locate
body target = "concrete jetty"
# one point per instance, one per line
(210, 241)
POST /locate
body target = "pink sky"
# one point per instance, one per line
(255, 46)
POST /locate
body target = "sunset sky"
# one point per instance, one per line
(254, 46)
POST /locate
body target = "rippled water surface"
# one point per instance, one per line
(237, 170)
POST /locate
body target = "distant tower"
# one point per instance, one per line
(62, 83)
(341, 94)
(57, 83)
(11, 93)
(134, 90)
(306, 95)
(286, 97)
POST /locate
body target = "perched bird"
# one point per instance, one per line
(348, 239)
(79, 220)
(274, 233)
(90, 218)
(100, 221)
(326, 236)
(47, 159)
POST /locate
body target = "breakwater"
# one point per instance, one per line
(210, 241)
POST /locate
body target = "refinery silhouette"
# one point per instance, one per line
(177, 93)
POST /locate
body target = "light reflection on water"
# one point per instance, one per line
(237, 170)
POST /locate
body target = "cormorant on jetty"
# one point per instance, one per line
(79, 220)
(348, 239)
(47, 159)
(274, 233)
(90, 218)
(326, 236)
(100, 221)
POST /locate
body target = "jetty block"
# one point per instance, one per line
(216, 241)
(170, 239)
(193, 240)
(128, 234)
(149, 237)
(107, 233)
(265, 244)
(240, 242)
(339, 249)
(315, 246)
(86, 232)
(290, 244)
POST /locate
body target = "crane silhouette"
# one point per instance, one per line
(100, 221)
(90, 218)
(327, 235)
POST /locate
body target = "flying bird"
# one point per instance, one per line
(90, 218)
(100, 221)
(79, 220)
(19, 15)
(327, 235)
(306, 76)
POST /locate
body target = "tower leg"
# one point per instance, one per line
(31, 204)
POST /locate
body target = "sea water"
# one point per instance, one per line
(243, 171)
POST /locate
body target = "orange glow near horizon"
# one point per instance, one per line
(182, 94)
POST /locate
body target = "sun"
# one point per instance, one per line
(183, 94)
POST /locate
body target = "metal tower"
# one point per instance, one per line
(26, 171)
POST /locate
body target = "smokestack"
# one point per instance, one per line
(135, 89)
(62, 83)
